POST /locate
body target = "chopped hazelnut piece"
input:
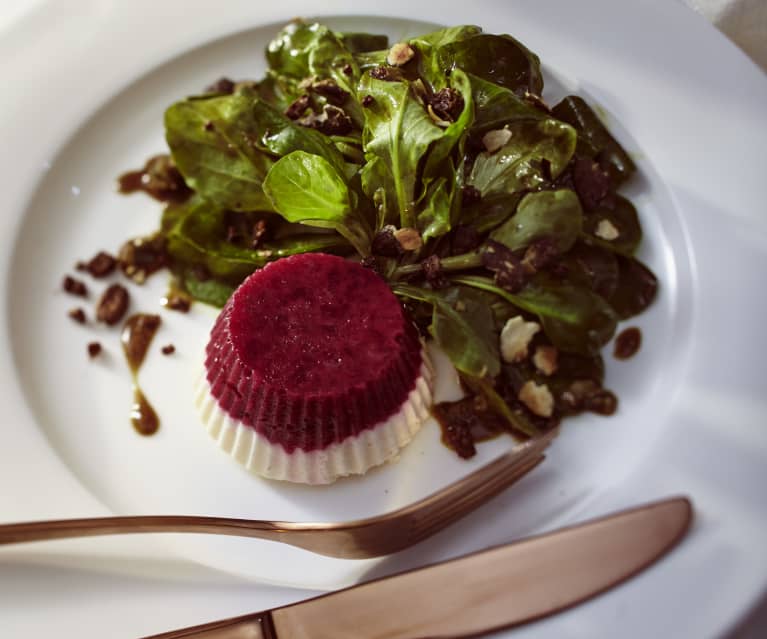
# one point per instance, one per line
(545, 359)
(400, 54)
(537, 398)
(515, 337)
(409, 239)
(606, 230)
(496, 139)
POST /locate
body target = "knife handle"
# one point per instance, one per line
(253, 626)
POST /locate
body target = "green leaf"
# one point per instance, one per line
(304, 50)
(440, 177)
(434, 217)
(574, 318)
(398, 132)
(636, 289)
(500, 59)
(212, 144)
(553, 215)
(223, 146)
(307, 189)
(623, 216)
(363, 42)
(491, 211)
(496, 106)
(281, 136)
(432, 68)
(575, 111)
(519, 165)
(463, 326)
(209, 291)
(196, 234)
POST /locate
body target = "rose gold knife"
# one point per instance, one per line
(478, 593)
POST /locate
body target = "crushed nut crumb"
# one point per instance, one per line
(168, 349)
(537, 398)
(400, 54)
(606, 230)
(495, 139)
(545, 359)
(409, 238)
(515, 338)
(94, 349)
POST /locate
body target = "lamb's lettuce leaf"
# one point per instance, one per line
(307, 189)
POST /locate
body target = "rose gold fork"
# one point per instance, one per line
(371, 537)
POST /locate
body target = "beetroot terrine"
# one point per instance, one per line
(313, 371)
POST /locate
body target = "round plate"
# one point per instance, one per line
(690, 401)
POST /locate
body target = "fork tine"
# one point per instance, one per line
(422, 519)
(493, 485)
(424, 528)
(515, 458)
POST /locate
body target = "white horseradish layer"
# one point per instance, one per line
(353, 456)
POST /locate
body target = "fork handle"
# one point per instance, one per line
(257, 626)
(91, 527)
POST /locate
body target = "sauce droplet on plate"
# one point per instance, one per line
(137, 335)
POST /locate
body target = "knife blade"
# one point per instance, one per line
(480, 592)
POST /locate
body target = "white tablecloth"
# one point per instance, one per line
(743, 21)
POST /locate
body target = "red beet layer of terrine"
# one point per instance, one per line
(313, 371)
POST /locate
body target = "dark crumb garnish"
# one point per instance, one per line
(627, 343)
(159, 178)
(140, 257)
(74, 286)
(470, 195)
(329, 90)
(591, 182)
(372, 262)
(178, 301)
(168, 349)
(388, 74)
(94, 349)
(113, 304)
(510, 274)
(100, 265)
(222, 85)
(432, 270)
(78, 315)
(332, 121)
(385, 244)
(447, 104)
(298, 107)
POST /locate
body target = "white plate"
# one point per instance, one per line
(95, 81)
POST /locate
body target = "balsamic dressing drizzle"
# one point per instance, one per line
(137, 335)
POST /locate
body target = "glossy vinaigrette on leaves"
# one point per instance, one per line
(494, 217)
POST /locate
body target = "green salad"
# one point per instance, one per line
(495, 218)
